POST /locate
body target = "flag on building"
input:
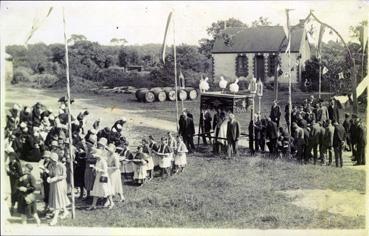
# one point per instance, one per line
(340, 75)
(36, 24)
(165, 36)
(325, 70)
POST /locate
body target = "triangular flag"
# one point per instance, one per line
(36, 24)
(182, 79)
(165, 36)
(325, 70)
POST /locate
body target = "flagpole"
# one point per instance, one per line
(320, 74)
(175, 70)
(289, 83)
(69, 118)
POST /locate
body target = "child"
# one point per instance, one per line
(164, 153)
(26, 198)
(140, 164)
(150, 162)
(180, 160)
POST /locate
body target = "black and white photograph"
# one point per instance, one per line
(184, 117)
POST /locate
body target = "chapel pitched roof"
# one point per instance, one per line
(256, 39)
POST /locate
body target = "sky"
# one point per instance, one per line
(144, 22)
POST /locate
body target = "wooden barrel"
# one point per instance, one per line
(191, 93)
(182, 94)
(144, 95)
(171, 93)
(160, 95)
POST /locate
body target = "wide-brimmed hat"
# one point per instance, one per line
(16, 107)
(103, 142)
(111, 148)
(54, 144)
(54, 157)
(23, 125)
(93, 131)
(92, 138)
(46, 154)
(124, 119)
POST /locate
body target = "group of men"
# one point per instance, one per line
(315, 128)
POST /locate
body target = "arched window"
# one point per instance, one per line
(241, 66)
(272, 59)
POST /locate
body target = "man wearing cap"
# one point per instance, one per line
(275, 112)
(339, 138)
(361, 141)
(333, 111)
(233, 134)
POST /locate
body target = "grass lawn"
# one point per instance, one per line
(251, 192)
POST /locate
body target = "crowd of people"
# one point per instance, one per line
(316, 133)
(100, 157)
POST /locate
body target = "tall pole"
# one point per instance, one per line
(175, 70)
(320, 75)
(289, 81)
(69, 118)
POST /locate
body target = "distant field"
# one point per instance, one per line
(251, 192)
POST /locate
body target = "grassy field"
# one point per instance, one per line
(250, 192)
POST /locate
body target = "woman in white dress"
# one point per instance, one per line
(148, 157)
(102, 185)
(172, 142)
(180, 159)
(114, 172)
(58, 199)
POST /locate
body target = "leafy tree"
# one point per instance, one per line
(74, 38)
(123, 57)
(262, 21)
(118, 41)
(37, 56)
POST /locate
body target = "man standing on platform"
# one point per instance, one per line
(275, 113)
(233, 134)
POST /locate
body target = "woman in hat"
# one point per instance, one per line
(102, 185)
(14, 171)
(58, 199)
(180, 160)
(89, 176)
(114, 172)
(44, 174)
(26, 198)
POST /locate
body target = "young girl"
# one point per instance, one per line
(150, 163)
(180, 160)
(163, 154)
(26, 198)
(140, 164)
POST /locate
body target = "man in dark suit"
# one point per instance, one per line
(233, 134)
(190, 132)
(361, 141)
(339, 138)
(275, 113)
(333, 111)
(272, 134)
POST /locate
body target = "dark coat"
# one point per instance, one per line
(233, 131)
(339, 135)
(182, 125)
(333, 113)
(272, 130)
(190, 127)
(275, 113)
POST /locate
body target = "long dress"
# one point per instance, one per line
(27, 207)
(79, 171)
(58, 198)
(148, 158)
(114, 174)
(181, 158)
(140, 167)
(153, 146)
(101, 189)
(165, 160)
(127, 167)
(15, 171)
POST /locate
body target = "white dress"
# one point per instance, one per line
(114, 174)
(165, 160)
(181, 157)
(101, 189)
(140, 168)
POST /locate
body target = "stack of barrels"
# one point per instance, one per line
(166, 93)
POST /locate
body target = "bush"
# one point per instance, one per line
(44, 80)
(116, 77)
(22, 74)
